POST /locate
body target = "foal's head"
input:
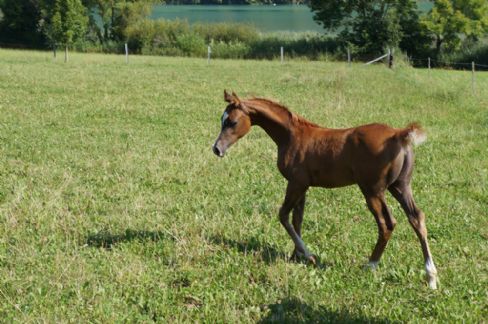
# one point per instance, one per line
(235, 124)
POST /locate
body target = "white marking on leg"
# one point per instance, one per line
(303, 247)
(373, 265)
(431, 271)
(430, 266)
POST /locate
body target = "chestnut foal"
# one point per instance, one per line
(376, 157)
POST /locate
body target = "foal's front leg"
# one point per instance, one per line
(297, 220)
(294, 193)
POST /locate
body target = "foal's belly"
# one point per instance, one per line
(332, 178)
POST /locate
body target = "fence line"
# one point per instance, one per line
(429, 61)
(377, 59)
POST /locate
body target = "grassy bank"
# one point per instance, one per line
(113, 207)
(227, 41)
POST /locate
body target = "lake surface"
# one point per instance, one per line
(266, 18)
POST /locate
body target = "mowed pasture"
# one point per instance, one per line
(113, 207)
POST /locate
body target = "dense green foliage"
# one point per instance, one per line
(366, 27)
(462, 58)
(370, 26)
(113, 207)
(449, 20)
(116, 16)
(164, 37)
(19, 23)
(236, 2)
(63, 21)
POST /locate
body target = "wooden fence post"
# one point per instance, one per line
(390, 58)
(281, 54)
(349, 56)
(65, 53)
(209, 51)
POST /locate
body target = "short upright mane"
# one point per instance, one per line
(296, 119)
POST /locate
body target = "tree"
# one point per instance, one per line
(18, 25)
(63, 22)
(117, 15)
(449, 20)
(368, 25)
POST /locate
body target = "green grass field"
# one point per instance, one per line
(113, 207)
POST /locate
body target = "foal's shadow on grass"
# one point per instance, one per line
(267, 252)
(251, 246)
(292, 310)
(107, 240)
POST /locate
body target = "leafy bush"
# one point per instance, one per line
(191, 44)
(154, 35)
(469, 52)
(226, 32)
(309, 45)
(232, 50)
(227, 40)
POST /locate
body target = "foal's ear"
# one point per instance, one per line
(227, 96)
(232, 98)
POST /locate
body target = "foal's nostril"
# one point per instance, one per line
(216, 150)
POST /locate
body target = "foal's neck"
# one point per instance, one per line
(275, 120)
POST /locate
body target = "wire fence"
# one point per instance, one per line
(433, 63)
(429, 63)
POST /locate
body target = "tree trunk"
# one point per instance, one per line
(438, 44)
(105, 32)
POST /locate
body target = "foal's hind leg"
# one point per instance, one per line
(386, 224)
(403, 193)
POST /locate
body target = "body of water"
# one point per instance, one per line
(266, 18)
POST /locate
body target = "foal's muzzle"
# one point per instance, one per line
(216, 151)
(218, 148)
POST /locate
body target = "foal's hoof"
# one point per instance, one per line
(371, 265)
(433, 281)
(296, 256)
(313, 260)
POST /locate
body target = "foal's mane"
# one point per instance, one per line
(294, 118)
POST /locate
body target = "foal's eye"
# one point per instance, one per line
(229, 123)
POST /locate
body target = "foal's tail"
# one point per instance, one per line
(413, 134)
